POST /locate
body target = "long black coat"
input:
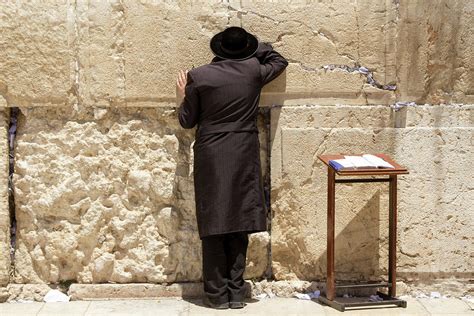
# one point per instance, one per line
(222, 98)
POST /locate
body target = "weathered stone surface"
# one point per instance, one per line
(36, 52)
(257, 255)
(440, 116)
(109, 199)
(78, 292)
(138, 72)
(133, 290)
(126, 52)
(131, 51)
(3, 294)
(27, 292)
(141, 291)
(3, 102)
(4, 208)
(435, 51)
(316, 34)
(434, 199)
(106, 195)
(95, 199)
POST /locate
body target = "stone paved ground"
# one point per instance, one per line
(276, 306)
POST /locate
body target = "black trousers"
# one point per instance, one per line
(223, 263)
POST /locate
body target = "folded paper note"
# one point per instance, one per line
(359, 162)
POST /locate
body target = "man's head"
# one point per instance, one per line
(234, 43)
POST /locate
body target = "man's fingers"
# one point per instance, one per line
(180, 80)
(181, 76)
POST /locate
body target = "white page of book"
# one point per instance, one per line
(379, 162)
(344, 163)
(360, 162)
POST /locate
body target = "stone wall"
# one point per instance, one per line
(108, 197)
(103, 171)
(434, 200)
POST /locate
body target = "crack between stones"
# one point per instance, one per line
(356, 14)
(267, 191)
(349, 69)
(74, 90)
(12, 128)
(364, 71)
(119, 50)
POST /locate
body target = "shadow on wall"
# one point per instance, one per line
(357, 245)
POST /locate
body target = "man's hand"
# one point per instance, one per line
(181, 84)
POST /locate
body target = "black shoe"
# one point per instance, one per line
(235, 305)
(208, 303)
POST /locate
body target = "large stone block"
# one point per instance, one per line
(4, 205)
(148, 47)
(435, 51)
(315, 34)
(434, 199)
(37, 52)
(131, 51)
(128, 52)
(108, 197)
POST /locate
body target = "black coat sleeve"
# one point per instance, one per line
(272, 63)
(189, 109)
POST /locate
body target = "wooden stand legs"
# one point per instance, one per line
(330, 283)
(392, 236)
(330, 297)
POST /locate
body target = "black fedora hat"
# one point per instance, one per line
(234, 43)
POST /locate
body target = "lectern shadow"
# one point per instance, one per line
(358, 244)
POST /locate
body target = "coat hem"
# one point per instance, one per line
(249, 231)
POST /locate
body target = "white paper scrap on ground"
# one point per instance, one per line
(421, 295)
(302, 296)
(375, 298)
(261, 296)
(55, 296)
(435, 295)
(315, 294)
(308, 296)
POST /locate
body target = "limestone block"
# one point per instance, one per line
(3, 102)
(131, 51)
(27, 292)
(257, 255)
(4, 208)
(37, 52)
(315, 34)
(434, 53)
(3, 294)
(440, 116)
(133, 291)
(95, 198)
(310, 117)
(109, 199)
(434, 199)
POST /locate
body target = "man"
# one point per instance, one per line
(222, 98)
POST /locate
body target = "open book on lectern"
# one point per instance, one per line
(366, 161)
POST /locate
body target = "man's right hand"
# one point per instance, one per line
(181, 84)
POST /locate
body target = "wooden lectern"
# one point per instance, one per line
(390, 299)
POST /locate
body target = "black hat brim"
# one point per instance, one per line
(247, 53)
